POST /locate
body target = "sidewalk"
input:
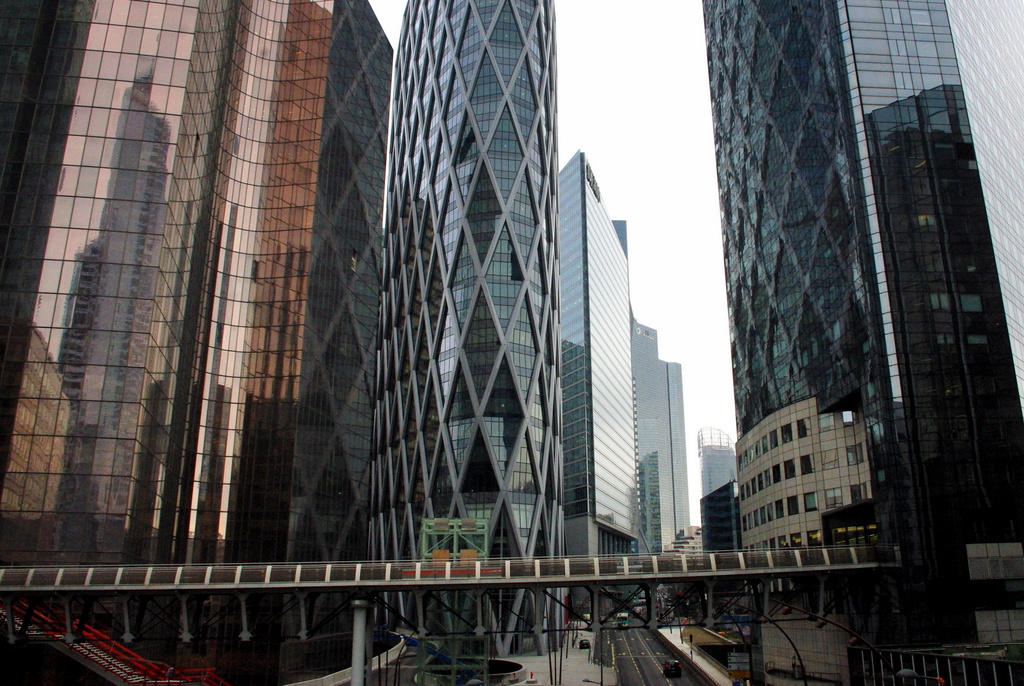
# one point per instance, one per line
(575, 664)
(696, 655)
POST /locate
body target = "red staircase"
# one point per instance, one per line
(99, 650)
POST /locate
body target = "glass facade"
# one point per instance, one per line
(660, 440)
(863, 268)
(468, 414)
(597, 387)
(720, 518)
(191, 203)
(717, 459)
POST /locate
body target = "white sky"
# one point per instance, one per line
(633, 95)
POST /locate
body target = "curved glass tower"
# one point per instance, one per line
(468, 400)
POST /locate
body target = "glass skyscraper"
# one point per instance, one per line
(468, 415)
(597, 387)
(717, 459)
(660, 440)
(190, 203)
(869, 165)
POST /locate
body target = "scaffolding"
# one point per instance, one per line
(450, 656)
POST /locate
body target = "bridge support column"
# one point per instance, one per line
(126, 616)
(185, 635)
(69, 623)
(8, 602)
(538, 621)
(709, 611)
(649, 592)
(478, 602)
(306, 604)
(421, 620)
(821, 595)
(243, 601)
(766, 590)
(360, 607)
(597, 649)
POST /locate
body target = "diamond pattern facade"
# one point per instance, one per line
(468, 413)
(863, 273)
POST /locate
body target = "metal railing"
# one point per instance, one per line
(486, 573)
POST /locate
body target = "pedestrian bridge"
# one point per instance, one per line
(94, 612)
(376, 577)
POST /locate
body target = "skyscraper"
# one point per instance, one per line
(660, 440)
(717, 459)
(468, 398)
(190, 200)
(597, 385)
(866, 149)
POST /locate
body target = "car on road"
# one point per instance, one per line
(672, 668)
(584, 643)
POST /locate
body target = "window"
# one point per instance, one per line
(792, 505)
(849, 418)
(757, 516)
(786, 432)
(780, 509)
(940, 301)
(825, 421)
(811, 502)
(802, 428)
(773, 438)
(767, 477)
(764, 515)
(764, 444)
(858, 492)
(833, 497)
(806, 464)
(776, 474)
(970, 303)
(854, 455)
(783, 541)
(760, 481)
(814, 537)
(790, 468)
(796, 540)
(769, 512)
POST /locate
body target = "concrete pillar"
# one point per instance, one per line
(360, 607)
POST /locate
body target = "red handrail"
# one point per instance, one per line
(153, 672)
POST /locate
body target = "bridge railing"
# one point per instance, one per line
(15, 580)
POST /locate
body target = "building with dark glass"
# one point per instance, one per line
(720, 518)
(660, 441)
(468, 404)
(190, 203)
(597, 386)
(867, 154)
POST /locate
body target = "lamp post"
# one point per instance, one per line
(796, 651)
(911, 674)
(857, 638)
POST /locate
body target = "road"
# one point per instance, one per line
(638, 660)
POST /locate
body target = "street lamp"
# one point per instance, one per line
(903, 673)
(911, 674)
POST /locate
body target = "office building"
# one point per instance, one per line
(868, 155)
(660, 440)
(190, 202)
(600, 498)
(720, 518)
(468, 420)
(717, 459)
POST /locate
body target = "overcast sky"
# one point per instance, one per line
(633, 95)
